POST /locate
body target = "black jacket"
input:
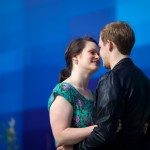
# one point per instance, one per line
(122, 94)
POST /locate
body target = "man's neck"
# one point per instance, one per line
(117, 60)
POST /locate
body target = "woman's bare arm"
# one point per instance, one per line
(61, 113)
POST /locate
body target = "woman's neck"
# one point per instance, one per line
(78, 80)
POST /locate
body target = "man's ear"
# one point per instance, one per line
(110, 44)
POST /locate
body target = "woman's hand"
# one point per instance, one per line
(145, 127)
(65, 147)
(119, 127)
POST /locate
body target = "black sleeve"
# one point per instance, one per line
(148, 129)
(108, 109)
(148, 120)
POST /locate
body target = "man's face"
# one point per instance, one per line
(104, 53)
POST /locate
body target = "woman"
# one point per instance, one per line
(71, 102)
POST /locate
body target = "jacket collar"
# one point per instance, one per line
(122, 61)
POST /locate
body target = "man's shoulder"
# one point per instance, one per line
(104, 76)
(110, 75)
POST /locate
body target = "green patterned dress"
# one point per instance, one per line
(82, 106)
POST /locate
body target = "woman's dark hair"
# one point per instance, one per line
(74, 48)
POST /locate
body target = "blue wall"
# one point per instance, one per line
(33, 38)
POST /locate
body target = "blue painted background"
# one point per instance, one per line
(33, 38)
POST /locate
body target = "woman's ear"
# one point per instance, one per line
(75, 59)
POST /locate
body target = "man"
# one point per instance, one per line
(122, 96)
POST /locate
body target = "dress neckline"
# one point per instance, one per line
(79, 92)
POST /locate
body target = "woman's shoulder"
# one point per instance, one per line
(63, 89)
(64, 86)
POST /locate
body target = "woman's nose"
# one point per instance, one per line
(97, 56)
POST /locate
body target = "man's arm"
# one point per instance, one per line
(147, 125)
(147, 131)
(109, 105)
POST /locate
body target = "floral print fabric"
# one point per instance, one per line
(82, 107)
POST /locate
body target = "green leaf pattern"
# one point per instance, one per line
(82, 106)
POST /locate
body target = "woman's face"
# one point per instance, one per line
(89, 58)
